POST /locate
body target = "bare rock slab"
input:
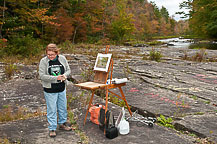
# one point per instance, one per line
(205, 125)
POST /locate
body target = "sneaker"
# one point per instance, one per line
(65, 127)
(52, 133)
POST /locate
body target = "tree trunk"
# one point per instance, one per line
(3, 20)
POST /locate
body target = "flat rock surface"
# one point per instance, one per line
(183, 90)
(35, 130)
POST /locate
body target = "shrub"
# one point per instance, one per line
(8, 113)
(23, 45)
(166, 122)
(200, 56)
(155, 55)
(104, 41)
(67, 46)
(3, 44)
(185, 56)
(10, 70)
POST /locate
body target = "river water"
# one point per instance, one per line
(188, 43)
(177, 42)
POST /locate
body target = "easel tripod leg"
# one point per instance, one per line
(90, 102)
(122, 94)
(106, 105)
(106, 102)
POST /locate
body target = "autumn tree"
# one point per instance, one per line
(69, 20)
(89, 21)
(96, 18)
(122, 25)
(22, 17)
(22, 26)
(64, 30)
(182, 27)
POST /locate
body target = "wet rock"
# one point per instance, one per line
(170, 44)
(140, 45)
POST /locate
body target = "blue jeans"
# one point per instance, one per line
(56, 103)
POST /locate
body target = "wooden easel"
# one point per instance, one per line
(100, 79)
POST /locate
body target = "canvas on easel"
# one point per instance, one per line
(102, 62)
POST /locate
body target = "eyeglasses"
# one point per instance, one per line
(51, 55)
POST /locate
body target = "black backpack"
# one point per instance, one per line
(107, 126)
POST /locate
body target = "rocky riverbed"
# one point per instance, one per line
(184, 90)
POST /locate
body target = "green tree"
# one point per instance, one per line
(156, 10)
(202, 17)
(24, 17)
(164, 13)
(122, 26)
(96, 18)
(203, 20)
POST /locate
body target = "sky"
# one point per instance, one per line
(171, 5)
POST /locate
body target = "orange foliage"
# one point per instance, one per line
(79, 25)
(39, 15)
(64, 30)
(154, 26)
